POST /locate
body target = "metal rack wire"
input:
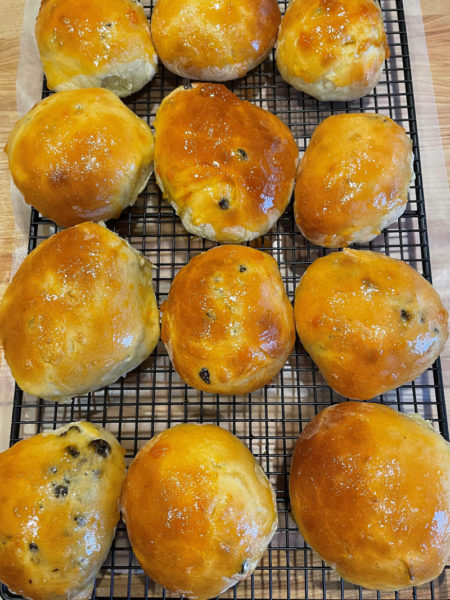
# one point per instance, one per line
(269, 421)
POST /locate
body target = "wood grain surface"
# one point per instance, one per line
(10, 30)
(436, 21)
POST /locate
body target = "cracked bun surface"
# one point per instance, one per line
(227, 324)
(80, 155)
(59, 507)
(332, 49)
(95, 44)
(353, 179)
(370, 322)
(226, 166)
(79, 313)
(378, 508)
(214, 41)
(199, 510)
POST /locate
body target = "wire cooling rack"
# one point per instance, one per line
(269, 421)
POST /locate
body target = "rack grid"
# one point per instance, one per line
(268, 421)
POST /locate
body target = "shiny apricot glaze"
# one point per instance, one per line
(370, 492)
(86, 38)
(226, 165)
(199, 510)
(338, 44)
(79, 313)
(370, 322)
(328, 27)
(228, 324)
(80, 155)
(353, 179)
(214, 41)
(59, 507)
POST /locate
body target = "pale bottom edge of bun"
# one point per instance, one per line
(378, 586)
(142, 352)
(205, 230)
(141, 183)
(125, 79)
(84, 594)
(228, 235)
(212, 73)
(359, 236)
(248, 567)
(255, 381)
(325, 90)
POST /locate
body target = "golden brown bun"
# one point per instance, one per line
(79, 313)
(59, 507)
(226, 166)
(370, 492)
(214, 41)
(80, 155)
(332, 50)
(353, 179)
(199, 510)
(84, 43)
(371, 323)
(228, 325)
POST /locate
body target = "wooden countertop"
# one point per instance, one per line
(436, 21)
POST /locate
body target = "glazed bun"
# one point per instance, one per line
(227, 324)
(91, 43)
(370, 493)
(59, 507)
(370, 322)
(79, 313)
(80, 155)
(226, 166)
(353, 179)
(332, 50)
(199, 510)
(214, 41)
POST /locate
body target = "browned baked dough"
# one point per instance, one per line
(370, 492)
(214, 41)
(226, 166)
(59, 507)
(228, 324)
(199, 510)
(79, 313)
(353, 179)
(92, 43)
(80, 155)
(370, 322)
(332, 49)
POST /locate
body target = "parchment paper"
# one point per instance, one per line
(28, 92)
(435, 177)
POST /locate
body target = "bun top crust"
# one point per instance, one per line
(228, 323)
(353, 179)
(80, 155)
(79, 313)
(214, 41)
(332, 49)
(59, 507)
(88, 44)
(370, 322)
(227, 166)
(196, 494)
(370, 492)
